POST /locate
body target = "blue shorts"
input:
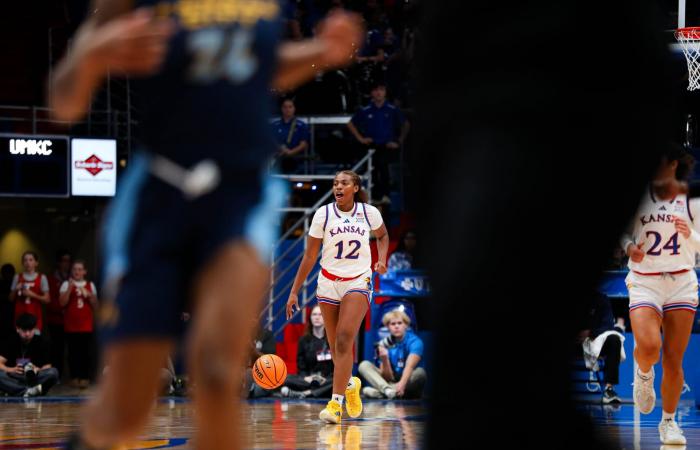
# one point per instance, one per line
(156, 242)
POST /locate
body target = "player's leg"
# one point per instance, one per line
(125, 395)
(677, 327)
(345, 322)
(228, 297)
(646, 327)
(330, 315)
(352, 311)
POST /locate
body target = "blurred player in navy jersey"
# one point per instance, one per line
(537, 134)
(192, 218)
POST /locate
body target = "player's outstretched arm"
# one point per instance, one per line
(133, 43)
(313, 245)
(339, 38)
(382, 248)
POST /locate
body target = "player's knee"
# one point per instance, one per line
(343, 341)
(649, 349)
(672, 363)
(365, 367)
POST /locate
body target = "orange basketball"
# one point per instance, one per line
(269, 371)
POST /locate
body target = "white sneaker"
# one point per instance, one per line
(390, 392)
(671, 433)
(33, 391)
(644, 394)
(370, 392)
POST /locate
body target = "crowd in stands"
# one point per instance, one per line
(43, 317)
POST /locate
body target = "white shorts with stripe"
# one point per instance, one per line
(663, 292)
(332, 292)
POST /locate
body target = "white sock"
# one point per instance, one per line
(339, 398)
(351, 384)
(668, 416)
(644, 375)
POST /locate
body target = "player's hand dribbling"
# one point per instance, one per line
(635, 252)
(682, 227)
(380, 267)
(292, 302)
(343, 35)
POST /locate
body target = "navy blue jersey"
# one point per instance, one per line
(211, 98)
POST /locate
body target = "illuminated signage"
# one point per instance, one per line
(33, 166)
(93, 167)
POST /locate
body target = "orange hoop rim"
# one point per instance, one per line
(688, 33)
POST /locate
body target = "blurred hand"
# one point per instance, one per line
(635, 252)
(343, 34)
(400, 388)
(134, 43)
(380, 267)
(382, 352)
(366, 140)
(292, 303)
(392, 145)
(682, 227)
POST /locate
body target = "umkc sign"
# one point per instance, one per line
(34, 166)
(30, 147)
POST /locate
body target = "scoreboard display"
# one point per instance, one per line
(34, 166)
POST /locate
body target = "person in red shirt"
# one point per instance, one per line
(78, 297)
(54, 310)
(30, 290)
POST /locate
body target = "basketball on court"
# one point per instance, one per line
(269, 371)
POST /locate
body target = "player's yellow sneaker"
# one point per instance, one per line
(353, 402)
(332, 413)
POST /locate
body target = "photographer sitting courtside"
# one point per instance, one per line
(24, 361)
(398, 355)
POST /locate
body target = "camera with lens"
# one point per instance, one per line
(387, 342)
(30, 373)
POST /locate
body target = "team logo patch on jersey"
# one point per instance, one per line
(663, 208)
(346, 221)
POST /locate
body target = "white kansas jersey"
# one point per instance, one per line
(665, 249)
(345, 235)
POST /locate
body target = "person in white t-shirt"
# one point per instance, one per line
(663, 288)
(345, 282)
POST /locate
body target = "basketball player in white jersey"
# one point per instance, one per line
(663, 289)
(345, 283)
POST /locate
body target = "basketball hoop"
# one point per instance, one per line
(689, 39)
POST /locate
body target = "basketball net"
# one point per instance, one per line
(689, 39)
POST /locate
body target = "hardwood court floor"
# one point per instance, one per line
(625, 428)
(269, 423)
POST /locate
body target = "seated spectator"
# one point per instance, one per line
(78, 297)
(602, 339)
(314, 362)
(25, 369)
(398, 355)
(292, 136)
(403, 258)
(30, 289)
